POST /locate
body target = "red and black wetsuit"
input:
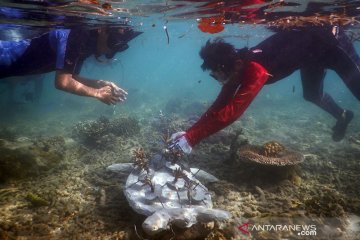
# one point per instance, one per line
(309, 50)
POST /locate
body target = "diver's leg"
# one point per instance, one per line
(312, 79)
(346, 63)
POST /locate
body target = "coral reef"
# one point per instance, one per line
(36, 201)
(269, 154)
(327, 203)
(52, 144)
(124, 126)
(165, 123)
(269, 163)
(102, 132)
(26, 158)
(272, 149)
(91, 131)
(79, 199)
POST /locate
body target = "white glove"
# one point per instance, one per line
(179, 140)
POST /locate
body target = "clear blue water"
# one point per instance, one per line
(160, 70)
(166, 78)
(153, 71)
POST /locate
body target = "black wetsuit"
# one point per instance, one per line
(312, 51)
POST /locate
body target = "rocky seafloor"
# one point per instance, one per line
(57, 186)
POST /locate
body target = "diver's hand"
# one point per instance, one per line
(116, 91)
(178, 140)
(105, 94)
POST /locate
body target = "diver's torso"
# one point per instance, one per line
(289, 50)
(57, 49)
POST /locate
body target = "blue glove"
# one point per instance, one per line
(178, 140)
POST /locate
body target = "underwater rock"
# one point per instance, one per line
(29, 158)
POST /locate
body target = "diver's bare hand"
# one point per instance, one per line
(117, 92)
(105, 94)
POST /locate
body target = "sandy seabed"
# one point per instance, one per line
(84, 201)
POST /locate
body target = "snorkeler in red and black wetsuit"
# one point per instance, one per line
(244, 72)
